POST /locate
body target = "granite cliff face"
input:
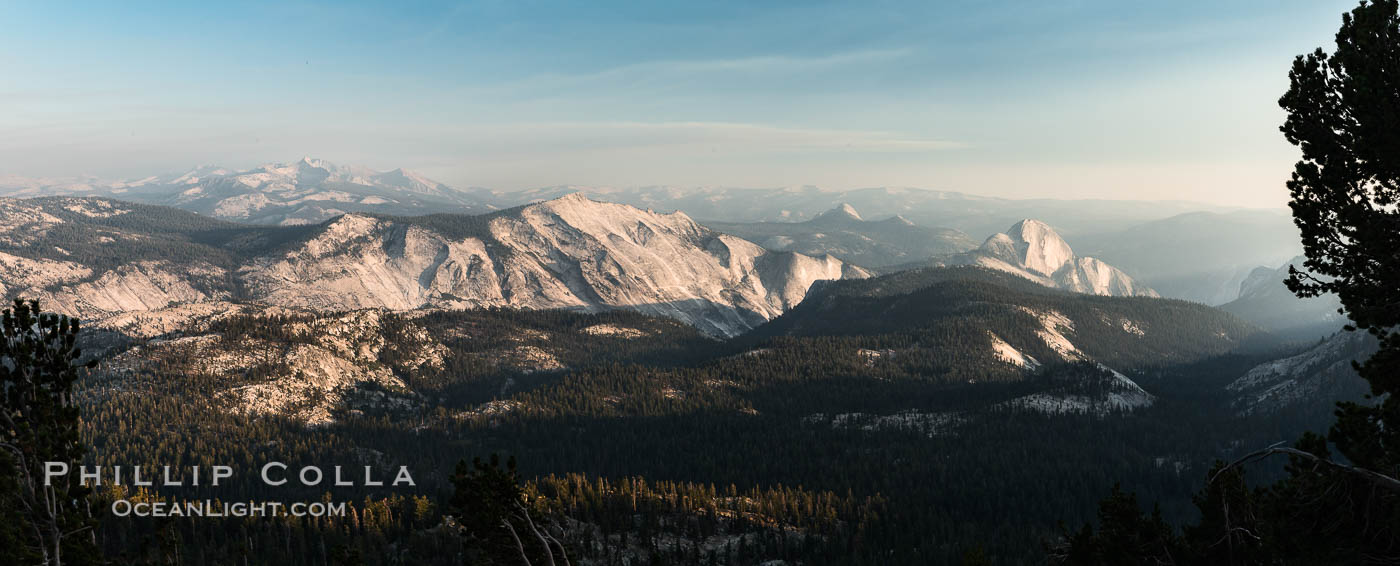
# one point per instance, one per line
(570, 252)
(1033, 250)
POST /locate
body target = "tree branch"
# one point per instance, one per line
(1376, 478)
(518, 545)
(549, 552)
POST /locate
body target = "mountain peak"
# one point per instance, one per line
(286, 167)
(405, 179)
(576, 196)
(1040, 247)
(1029, 225)
(579, 203)
(848, 210)
(844, 212)
(1032, 249)
(307, 162)
(191, 176)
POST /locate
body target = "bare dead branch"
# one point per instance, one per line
(1374, 477)
(549, 552)
(518, 545)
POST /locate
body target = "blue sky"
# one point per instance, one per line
(1020, 99)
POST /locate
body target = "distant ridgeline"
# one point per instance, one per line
(1046, 323)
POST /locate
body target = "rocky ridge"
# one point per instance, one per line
(1321, 373)
(570, 253)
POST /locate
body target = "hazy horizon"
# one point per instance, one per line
(1093, 100)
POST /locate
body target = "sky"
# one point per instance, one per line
(1066, 99)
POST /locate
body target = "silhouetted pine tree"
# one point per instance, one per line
(45, 522)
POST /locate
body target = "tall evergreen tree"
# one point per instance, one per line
(489, 507)
(1344, 114)
(46, 520)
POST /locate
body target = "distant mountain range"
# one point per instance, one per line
(301, 192)
(104, 260)
(968, 213)
(1266, 301)
(316, 184)
(843, 233)
(1182, 250)
(1200, 256)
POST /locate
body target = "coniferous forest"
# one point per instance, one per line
(666, 446)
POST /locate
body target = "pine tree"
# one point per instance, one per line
(488, 505)
(46, 520)
(1344, 114)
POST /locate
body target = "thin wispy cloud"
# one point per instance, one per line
(591, 136)
(669, 72)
